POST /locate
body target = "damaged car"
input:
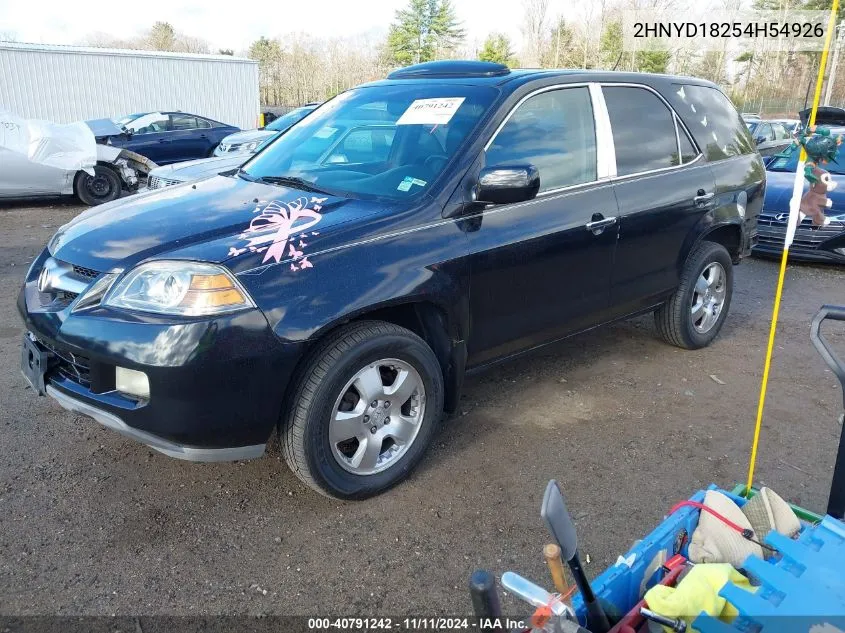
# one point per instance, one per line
(40, 158)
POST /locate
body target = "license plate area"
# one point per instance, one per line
(35, 362)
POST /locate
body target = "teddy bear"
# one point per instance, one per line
(815, 201)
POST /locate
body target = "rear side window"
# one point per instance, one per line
(713, 121)
(555, 132)
(780, 132)
(643, 130)
(364, 145)
(764, 132)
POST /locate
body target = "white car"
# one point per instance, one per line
(249, 141)
(39, 158)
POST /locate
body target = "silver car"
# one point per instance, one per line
(771, 136)
(249, 141)
(193, 170)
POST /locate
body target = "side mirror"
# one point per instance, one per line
(506, 184)
(558, 521)
(760, 139)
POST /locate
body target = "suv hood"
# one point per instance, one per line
(220, 219)
(779, 192)
(247, 137)
(200, 168)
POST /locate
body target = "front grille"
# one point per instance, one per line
(771, 231)
(71, 366)
(90, 273)
(157, 182)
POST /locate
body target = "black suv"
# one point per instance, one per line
(342, 282)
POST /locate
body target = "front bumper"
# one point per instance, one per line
(172, 449)
(216, 384)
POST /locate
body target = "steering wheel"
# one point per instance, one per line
(435, 162)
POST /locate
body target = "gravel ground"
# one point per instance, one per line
(92, 523)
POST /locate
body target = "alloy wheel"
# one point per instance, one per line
(708, 297)
(377, 416)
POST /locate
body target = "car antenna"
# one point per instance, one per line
(618, 59)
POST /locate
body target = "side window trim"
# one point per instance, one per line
(680, 128)
(605, 148)
(605, 156)
(675, 118)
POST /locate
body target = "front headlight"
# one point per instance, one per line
(179, 288)
(251, 147)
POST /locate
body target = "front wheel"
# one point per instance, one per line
(364, 410)
(692, 317)
(103, 186)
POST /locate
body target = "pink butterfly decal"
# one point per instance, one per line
(304, 263)
(302, 244)
(293, 252)
(293, 267)
(234, 252)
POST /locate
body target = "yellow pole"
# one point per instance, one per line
(779, 291)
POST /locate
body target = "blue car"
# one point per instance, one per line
(811, 243)
(163, 137)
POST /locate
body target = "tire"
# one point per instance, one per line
(104, 186)
(674, 319)
(314, 447)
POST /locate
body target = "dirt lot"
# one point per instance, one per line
(91, 523)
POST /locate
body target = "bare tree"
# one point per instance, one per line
(161, 36)
(533, 30)
(296, 69)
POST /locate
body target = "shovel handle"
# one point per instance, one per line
(551, 552)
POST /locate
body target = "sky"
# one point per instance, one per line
(227, 24)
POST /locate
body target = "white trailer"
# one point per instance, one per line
(63, 84)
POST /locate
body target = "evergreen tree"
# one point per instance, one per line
(423, 31)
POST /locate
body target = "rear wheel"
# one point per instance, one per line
(693, 316)
(364, 410)
(103, 186)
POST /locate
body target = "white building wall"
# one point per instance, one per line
(64, 84)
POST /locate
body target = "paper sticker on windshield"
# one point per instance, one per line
(430, 111)
(325, 132)
(407, 181)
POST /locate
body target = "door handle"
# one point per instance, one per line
(703, 198)
(599, 224)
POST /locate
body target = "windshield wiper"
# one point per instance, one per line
(293, 181)
(289, 181)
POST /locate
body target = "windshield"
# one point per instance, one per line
(787, 160)
(377, 141)
(286, 120)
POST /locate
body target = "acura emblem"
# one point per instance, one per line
(44, 280)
